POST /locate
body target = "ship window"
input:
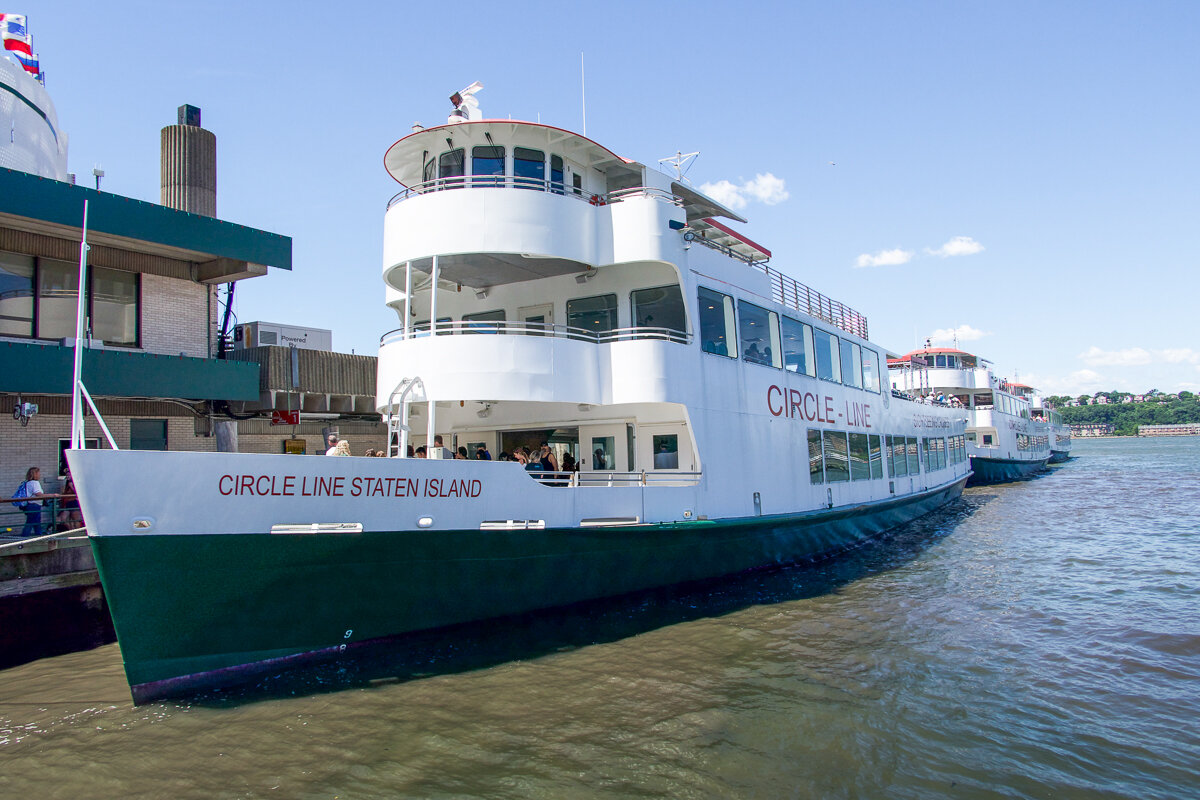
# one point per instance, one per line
(593, 314)
(876, 456)
(487, 160)
(603, 453)
(939, 360)
(450, 164)
(529, 167)
(430, 166)
(798, 347)
(16, 295)
(717, 334)
(837, 457)
(870, 370)
(577, 183)
(989, 440)
(860, 464)
(851, 364)
(479, 322)
(556, 174)
(816, 461)
(914, 456)
(760, 335)
(659, 308)
(666, 451)
(827, 355)
(899, 459)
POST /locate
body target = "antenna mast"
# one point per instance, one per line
(583, 92)
(677, 161)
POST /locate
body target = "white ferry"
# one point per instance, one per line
(721, 416)
(1058, 432)
(1004, 439)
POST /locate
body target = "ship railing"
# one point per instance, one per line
(534, 184)
(791, 293)
(549, 330)
(607, 478)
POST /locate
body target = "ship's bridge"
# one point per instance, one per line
(501, 202)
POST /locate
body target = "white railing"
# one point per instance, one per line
(642, 478)
(535, 184)
(501, 327)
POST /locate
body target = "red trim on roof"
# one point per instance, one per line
(493, 121)
(943, 350)
(736, 235)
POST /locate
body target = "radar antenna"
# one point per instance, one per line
(466, 107)
(677, 161)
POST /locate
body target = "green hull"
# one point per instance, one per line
(193, 611)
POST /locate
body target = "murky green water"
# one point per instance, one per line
(1039, 639)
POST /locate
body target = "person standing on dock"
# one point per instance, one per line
(33, 510)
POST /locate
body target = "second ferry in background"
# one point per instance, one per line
(689, 411)
(1004, 438)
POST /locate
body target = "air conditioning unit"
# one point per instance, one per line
(270, 334)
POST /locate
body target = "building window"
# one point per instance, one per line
(717, 332)
(58, 296)
(760, 335)
(798, 347)
(659, 308)
(147, 434)
(828, 364)
(529, 168)
(593, 314)
(16, 295)
(114, 297)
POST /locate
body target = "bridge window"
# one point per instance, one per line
(798, 347)
(556, 174)
(451, 165)
(760, 335)
(593, 314)
(529, 167)
(479, 321)
(659, 308)
(488, 160)
(717, 331)
(851, 364)
(828, 365)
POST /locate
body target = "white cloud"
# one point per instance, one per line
(884, 258)
(1129, 357)
(963, 333)
(958, 246)
(1181, 355)
(764, 188)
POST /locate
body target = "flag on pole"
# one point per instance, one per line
(30, 63)
(15, 33)
(14, 24)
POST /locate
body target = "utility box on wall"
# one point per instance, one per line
(270, 334)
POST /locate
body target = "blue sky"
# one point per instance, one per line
(1023, 173)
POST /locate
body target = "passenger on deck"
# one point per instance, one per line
(547, 458)
(461, 455)
(420, 452)
(333, 440)
(482, 454)
(342, 448)
(598, 460)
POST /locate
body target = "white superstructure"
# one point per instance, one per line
(30, 139)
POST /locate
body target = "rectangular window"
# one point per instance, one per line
(914, 456)
(595, 315)
(451, 165)
(659, 308)
(556, 174)
(899, 457)
(760, 334)
(837, 457)
(529, 168)
(430, 167)
(603, 453)
(851, 364)
(891, 460)
(717, 333)
(114, 306)
(479, 322)
(930, 455)
(828, 360)
(58, 296)
(860, 464)
(870, 370)
(876, 456)
(16, 295)
(666, 451)
(147, 434)
(798, 347)
(487, 160)
(988, 440)
(816, 461)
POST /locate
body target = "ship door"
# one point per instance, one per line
(537, 318)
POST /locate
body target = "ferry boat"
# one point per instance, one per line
(1058, 432)
(1005, 440)
(722, 417)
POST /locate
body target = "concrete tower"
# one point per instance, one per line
(189, 165)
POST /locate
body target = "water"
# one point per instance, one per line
(1038, 639)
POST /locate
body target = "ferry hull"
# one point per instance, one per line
(1059, 456)
(198, 610)
(1002, 470)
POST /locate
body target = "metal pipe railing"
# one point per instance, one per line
(534, 184)
(550, 330)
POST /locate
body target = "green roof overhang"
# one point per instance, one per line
(47, 369)
(51, 206)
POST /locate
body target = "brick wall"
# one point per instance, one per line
(178, 317)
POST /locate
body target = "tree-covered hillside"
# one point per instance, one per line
(1126, 417)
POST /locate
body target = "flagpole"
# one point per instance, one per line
(77, 438)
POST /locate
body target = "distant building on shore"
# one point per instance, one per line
(1184, 429)
(1093, 429)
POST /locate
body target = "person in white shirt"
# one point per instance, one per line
(333, 443)
(33, 510)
